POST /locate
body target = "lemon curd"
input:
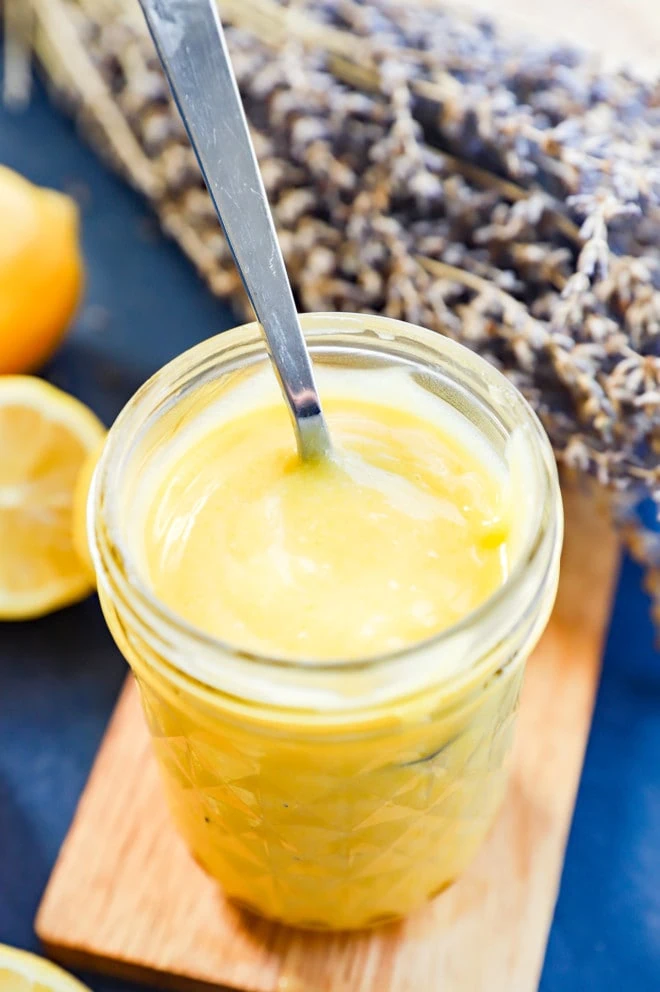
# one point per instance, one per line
(329, 654)
(397, 535)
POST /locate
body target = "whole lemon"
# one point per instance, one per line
(41, 271)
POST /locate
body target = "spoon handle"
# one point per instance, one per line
(190, 42)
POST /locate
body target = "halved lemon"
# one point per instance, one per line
(24, 972)
(45, 438)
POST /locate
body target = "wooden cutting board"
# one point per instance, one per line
(126, 898)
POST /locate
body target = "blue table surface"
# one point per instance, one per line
(59, 677)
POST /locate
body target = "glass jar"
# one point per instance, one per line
(330, 794)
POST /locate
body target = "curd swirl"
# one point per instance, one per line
(397, 535)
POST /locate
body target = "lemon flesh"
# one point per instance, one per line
(24, 972)
(45, 438)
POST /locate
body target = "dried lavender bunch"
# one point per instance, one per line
(421, 165)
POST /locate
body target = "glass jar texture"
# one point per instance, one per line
(330, 794)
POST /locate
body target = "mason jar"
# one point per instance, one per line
(330, 794)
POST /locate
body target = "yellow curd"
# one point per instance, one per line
(399, 534)
(329, 756)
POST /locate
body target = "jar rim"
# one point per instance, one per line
(112, 559)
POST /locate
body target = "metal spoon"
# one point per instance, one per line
(192, 48)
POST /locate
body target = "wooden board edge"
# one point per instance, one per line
(112, 728)
(77, 959)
